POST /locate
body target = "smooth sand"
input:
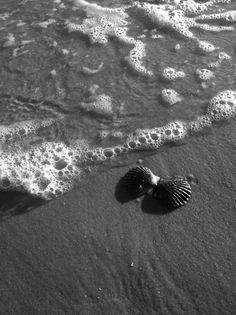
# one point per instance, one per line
(89, 253)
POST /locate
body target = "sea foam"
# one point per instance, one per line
(175, 16)
(50, 169)
(102, 24)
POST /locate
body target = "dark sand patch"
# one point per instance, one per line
(87, 253)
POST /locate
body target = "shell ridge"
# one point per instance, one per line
(183, 193)
(179, 191)
(176, 198)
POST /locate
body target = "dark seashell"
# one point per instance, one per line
(139, 180)
(173, 192)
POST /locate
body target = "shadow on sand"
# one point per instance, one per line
(15, 203)
(148, 204)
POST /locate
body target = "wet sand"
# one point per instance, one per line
(93, 252)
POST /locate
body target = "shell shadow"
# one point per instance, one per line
(121, 194)
(16, 203)
(148, 205)
(154, 206)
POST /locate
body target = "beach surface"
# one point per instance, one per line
(80, 85)
(93, 251)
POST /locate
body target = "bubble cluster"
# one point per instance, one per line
(204, 74)
(229, 16)
(100, 105)
(100, 154)
(100, 23)
(206, 46)
(171, 74)
(174, 131)
(201, 122)
(174, 16)
(223, 105)
(135, 59)
(170, 96)
(103, 134)
(221, 58)
(45, 171)
(224, 56)
(155, 137)
(142, 139)
(17, 131)
(190, 6)
(104, 23)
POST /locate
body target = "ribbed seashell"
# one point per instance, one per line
(139, 180)
(173, 192)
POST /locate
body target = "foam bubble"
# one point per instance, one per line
(206, 46)
(177, 47)
(143, 139)
(221, 58)
(224, 56)
(99, 105)
(170, 96)
(103, 23)
(223, 105)
(114, 135)
(174, 131)
(135, 59)
(201, 122)
(45, 171)
(171, 74)
(99, 154)
(103, 134)
(100, 23)
(153, 138)
(174, 16)
(205, 74)
(190, 6)
(229, 16)
(19, 130)
(117, 134)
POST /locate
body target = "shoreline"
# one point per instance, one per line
(86, 252)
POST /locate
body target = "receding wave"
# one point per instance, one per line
(91, 83)
(50, 169)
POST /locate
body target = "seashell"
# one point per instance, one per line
(173, 192)
(139, 180)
